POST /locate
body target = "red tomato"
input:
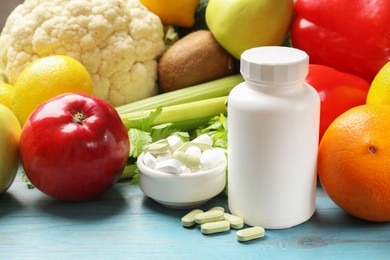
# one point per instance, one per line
(339, 91)
(74, 147)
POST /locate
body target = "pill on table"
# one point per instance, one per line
(215, 227)
(203, 139)
(250, 233)
(149, 160)
(168, 166)
(189, 219)
(209, 216)
(158, 147)
(174, 142)
(217, 208)
(235, 221)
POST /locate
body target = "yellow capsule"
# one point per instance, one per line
(189, 160)
(215, 227)
(250, 233)
(189, 219)
(235, 221)
(217, 208)
(201, 146)
(209, 216)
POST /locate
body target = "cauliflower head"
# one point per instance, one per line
(118, 41)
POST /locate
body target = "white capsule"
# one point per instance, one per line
(174, 142)
(211, 158)
(149, 160)
(194, 150)
(220, 153)
(203, 139)
(168, 166)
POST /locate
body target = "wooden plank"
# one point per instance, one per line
(124, 224)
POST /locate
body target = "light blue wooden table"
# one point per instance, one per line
(124, 224)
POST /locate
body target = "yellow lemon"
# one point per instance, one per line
(46, 78)
(6, 91)
(173, 12)
(379, 92)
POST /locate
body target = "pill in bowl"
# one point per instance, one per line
(181, 174)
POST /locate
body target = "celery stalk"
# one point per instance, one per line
(185, 116)
(215, 88)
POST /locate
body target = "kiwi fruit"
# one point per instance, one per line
(194, 59)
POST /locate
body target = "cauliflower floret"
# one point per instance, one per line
(118, 41)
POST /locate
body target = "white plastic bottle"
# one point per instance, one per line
(273, 131)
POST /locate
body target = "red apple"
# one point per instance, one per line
(74, 147)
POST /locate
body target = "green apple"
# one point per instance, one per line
(239, 25)
(10, 131)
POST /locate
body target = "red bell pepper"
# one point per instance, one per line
(348, 35)
(339, 91)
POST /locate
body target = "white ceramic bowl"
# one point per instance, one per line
(186, 190)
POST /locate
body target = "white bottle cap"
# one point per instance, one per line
(274, 64)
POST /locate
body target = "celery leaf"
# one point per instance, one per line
(138, 139)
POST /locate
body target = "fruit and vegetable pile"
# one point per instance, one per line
(86, 85)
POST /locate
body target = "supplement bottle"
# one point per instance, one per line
(273, 131)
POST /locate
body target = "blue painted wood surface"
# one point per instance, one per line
(124, 224)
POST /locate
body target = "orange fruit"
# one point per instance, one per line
(46, 78)
(354, 162)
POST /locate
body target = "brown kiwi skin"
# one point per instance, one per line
(194, 59)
